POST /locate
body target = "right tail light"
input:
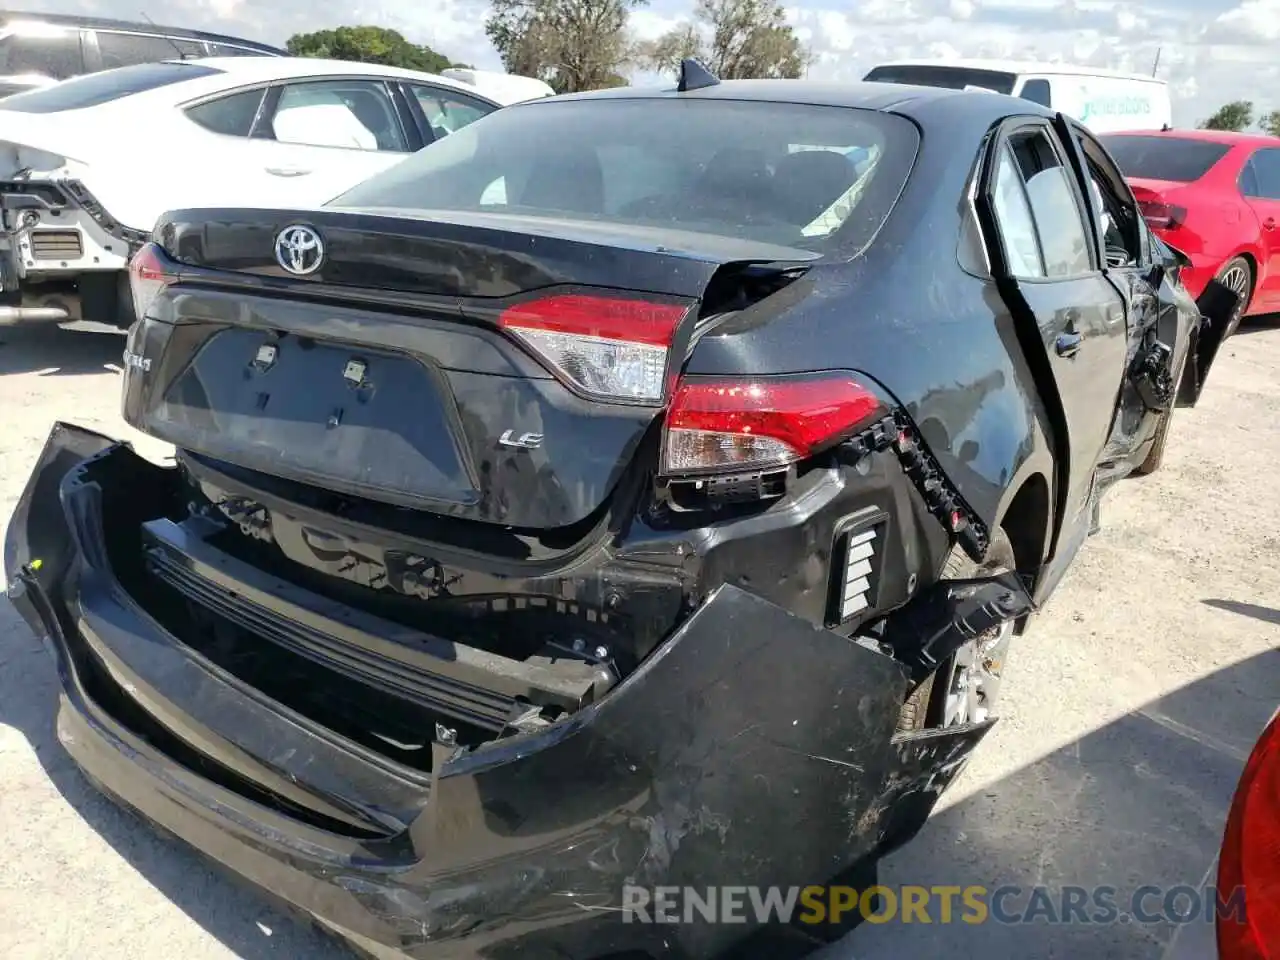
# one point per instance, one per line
(760, 423)
(1161, 215)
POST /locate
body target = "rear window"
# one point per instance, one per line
(98, 88)
(811, 176)
(1164, 158)
(953, 78)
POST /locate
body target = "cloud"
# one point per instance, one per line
(1254, 22)
(1209, 52)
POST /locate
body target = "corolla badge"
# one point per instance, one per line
(299, 250)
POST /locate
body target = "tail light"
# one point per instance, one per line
(717, 426)
(609, 348)
(1161, 215)
(149, 272)
(1250, 858)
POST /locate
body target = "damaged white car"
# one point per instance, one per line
(86, 166)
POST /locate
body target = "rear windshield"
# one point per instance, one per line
(98, 88)
(954, 78)
(817, 177)
(1164, 158)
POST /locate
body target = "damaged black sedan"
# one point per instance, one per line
(635, 487)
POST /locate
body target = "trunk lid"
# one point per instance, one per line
(464, 254)
(388, 372)
(1147, 189)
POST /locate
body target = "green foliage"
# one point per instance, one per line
(1271, 123)
(571, 44)
(369, 45)
(736, 39)
(1236, 115)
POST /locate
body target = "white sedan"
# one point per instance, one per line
(87, 165)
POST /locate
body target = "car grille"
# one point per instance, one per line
(56, 245)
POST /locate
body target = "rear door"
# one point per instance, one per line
(1260, 186)
(316, 138)
(1073, 315)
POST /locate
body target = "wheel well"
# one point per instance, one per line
(1026, 522)
(1252, 261)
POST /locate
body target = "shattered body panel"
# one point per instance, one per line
(748, 718)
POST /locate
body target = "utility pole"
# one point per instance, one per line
(1156, 66)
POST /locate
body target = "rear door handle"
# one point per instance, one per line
(287, 171)
(1068, 344)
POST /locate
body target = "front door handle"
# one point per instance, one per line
(1068, 344)
(287, 171)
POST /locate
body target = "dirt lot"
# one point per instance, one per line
(1128, 714)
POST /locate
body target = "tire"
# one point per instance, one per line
(1237, 274)
(1155, 456)
(926, 706)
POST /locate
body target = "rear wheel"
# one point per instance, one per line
(966, 688)
(1237, 276)
(1155, 456)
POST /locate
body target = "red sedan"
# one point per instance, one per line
(1215, 196)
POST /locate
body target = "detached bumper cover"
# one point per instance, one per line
(751, 748)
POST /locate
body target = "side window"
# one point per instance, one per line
(1013, 218)
(1122, 223)
(1265, 169)
(56, 56)
(126, 49)
(1063, 237)
(226, 50)
(1037, 91)
(446, 111)
(231, 115)
(1249, 180)
(355, 114)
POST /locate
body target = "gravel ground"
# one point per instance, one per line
(1128, 712)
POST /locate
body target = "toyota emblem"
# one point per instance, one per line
(299, 250)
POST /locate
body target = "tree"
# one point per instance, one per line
(571, 44)
(736, 39)
(369, 45)
(1271, 123)
(1235, 115)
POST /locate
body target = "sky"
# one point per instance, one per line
(1210, 51)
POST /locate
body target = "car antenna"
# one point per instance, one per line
(694, 76)
(172, 42)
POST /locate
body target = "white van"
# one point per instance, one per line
(1103, 100)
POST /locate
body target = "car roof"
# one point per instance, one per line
(1230, 137)
(237, 71)
(902, 98)
(1025, 67)
(14, 17)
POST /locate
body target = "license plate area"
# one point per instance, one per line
(381, 425)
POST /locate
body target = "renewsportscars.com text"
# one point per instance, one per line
(973, 904)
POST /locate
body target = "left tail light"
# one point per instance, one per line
(763, 423)
(150, 271)
(1250, 857)
(1161, 215)
(608, 348)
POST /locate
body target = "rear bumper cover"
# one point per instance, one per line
(751, 749)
